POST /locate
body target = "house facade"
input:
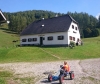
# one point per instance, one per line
(57, 31)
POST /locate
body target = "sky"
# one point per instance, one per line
(92, 7)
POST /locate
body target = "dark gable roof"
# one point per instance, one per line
(51, 25)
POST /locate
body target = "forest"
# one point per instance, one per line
(89, 25)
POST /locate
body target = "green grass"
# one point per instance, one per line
(26, 80)
(10, 53)
(90, 49)
(2, 81)
(6, 38)
(7, 77)
(4, 75)
(24, 54)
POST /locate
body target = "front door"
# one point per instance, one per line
(41, 40)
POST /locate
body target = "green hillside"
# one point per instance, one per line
(7, 37)
(10, 53)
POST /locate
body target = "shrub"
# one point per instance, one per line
(72, 44)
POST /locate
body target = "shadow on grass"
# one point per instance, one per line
(30, 45)
(8, 31)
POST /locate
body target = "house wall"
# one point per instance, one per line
(55, 40)
(73, 32)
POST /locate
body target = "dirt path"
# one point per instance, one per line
(86, 71)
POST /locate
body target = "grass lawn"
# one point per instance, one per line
(10, 53)
(6, 38)
(7, 77)
(90, 49)
(24, 54)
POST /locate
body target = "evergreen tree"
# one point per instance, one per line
(19, 20)
(95, 32)
(87, 32)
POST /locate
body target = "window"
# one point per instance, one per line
(73, 26)
(74, 32)
(50, 38)
(34, 39)
(70, 37)
(73, 38)
(77, 39)
(60, 37)
(76, 28)
(23, 40)
(29, 39)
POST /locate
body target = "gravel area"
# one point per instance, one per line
(86, 71)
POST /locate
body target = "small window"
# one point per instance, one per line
(73, 38)
(74, 32)
(77, 39)
(70, 37)
(73, 26)
(23, 40)
(50, 38)
(76, 28)
(34, 39)
(30, 40)
(60, 37)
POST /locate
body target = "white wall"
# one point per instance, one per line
(70, 32)
(55, 38)
(46, 41)
(29, 36)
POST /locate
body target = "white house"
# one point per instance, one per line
(57, 31)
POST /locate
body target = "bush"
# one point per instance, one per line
(72, 44)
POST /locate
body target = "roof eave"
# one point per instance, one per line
(42, 33)
(3, 15)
